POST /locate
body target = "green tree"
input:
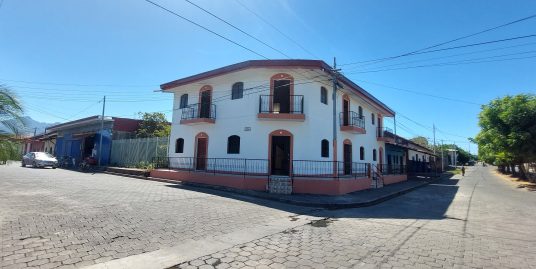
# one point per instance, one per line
(508, 132)
(153, 125)
(10, 117)
(421, 140)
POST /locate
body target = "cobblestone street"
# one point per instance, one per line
(64, 219)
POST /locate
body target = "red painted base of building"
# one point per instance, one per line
(322, 186)
(391, 179)
(256, 183)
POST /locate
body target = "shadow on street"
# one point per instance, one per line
(429, 202)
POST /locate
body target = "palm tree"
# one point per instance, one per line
(10, 117)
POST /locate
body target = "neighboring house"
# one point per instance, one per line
(80, 138)
(408, 154)
(34, 143)
(261, 120)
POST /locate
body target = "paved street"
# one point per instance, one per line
(61, 219)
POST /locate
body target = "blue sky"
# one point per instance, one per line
(62, 56)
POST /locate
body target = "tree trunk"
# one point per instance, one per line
(513, 167)
(507, 168)
(522, 171)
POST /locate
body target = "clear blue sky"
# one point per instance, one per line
(125, 49)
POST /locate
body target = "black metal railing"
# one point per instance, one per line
(392, 169)
(384, 132)
(199, 111)
(292, 104)
(260, 167)
(352, 118)
(419, 167)
(214, 165)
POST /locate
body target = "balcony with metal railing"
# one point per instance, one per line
(274, 107)
(385, 134)
(352, 122)
(199, 114)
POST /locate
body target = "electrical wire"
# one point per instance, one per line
(443, 57)
(444, 64)
(240, 30)
(444, 43)
(205, 28)
(276, 29)
(420, 93)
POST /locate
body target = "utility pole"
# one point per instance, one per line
(434, 141)
(442, 161)
(394, 119)
(455, 154)
(102, 129)
(334, 97)
(35, 131)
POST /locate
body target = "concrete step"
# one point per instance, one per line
(280, 185)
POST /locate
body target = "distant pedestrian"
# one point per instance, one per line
(463, 171)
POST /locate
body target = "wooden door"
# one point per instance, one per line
(346, 112)
(281, 96)
(206, 98)
(347, 155)
(201, 153)
(280, 157)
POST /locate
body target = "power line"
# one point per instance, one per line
(205, 28)
(449, 56)
(444, 64)
(446, 42)
(84, 109)
(76, 84)
(242, 31)
(275, 28)
(421, 93)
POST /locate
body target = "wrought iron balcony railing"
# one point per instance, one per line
(292, 104)
(199, 111)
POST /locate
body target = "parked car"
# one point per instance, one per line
(39, 159)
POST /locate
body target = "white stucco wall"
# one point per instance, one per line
(233, 116)
(423, 157)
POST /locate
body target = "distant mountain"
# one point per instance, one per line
(29, 126)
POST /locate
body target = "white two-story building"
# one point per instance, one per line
(246, 123)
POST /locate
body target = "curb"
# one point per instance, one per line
(261, 195)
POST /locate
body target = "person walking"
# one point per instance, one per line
(463, 171)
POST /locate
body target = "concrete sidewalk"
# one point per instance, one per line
(362, 198)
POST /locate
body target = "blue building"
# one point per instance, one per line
(81, 138)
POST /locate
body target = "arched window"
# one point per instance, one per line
(374, 154)
(323, 95)
(360, 112)
(362, 153)
(179, 145)
(184, 101)
(372, 118)
(325, 148)
(233, 144)
(237, 91)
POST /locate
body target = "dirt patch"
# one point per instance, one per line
(321, 223)
(520, 184)
(294, 218)
(290, 231)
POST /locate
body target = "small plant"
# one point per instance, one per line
(145, 165)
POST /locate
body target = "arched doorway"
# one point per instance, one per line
(201, 151)
(345, 110)
(280, 151)
(281, 93)
(205, 101)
